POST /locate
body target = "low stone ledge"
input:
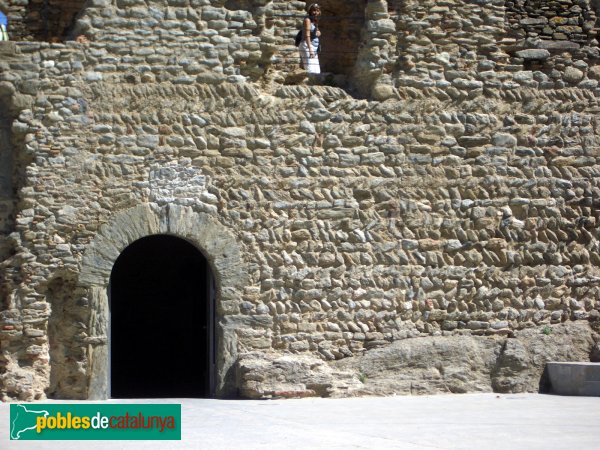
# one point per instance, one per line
(574, 378)
(8, 48)
(533, 54)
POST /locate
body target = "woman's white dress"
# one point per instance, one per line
(310, 64)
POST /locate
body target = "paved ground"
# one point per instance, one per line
(469, 421)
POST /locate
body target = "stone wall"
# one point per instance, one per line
(366, 45)
(572, 21)
(487, 44)
(459, 200)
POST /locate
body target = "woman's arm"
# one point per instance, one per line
(306, 26)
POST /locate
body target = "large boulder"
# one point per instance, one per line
(429, 365)
(271, 375)
(426, 365)
(522, 362)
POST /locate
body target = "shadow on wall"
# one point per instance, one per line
(13, 158)
(9, 178)
(46, 21)
(341, 27)
(66, 329)
(6, 171)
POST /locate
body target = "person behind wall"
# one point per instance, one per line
(3, 22)
(310, 40)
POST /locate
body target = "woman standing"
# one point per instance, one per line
(310, 40)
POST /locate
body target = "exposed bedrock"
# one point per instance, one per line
(429, 365)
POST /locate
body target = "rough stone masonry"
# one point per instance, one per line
(423, 218)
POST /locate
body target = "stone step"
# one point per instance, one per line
(8, 48)
(574, 378)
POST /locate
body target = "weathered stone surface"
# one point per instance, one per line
(560, 45)
(533, 53)
(437, 185)
(454, 364)
(573, 75)
(266, 375)
(469, 364)
(520, 366)
(426, 366)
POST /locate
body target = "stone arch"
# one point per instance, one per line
(217, 244)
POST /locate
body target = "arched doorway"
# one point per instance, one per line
(161, 297)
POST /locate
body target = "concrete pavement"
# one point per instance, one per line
(467, 421)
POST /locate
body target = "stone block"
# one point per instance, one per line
(382, 26)
(558, 45)
(574, 378)
(533, 53)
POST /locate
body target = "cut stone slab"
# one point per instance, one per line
(574, 378)
(533, 53)
(558, 45)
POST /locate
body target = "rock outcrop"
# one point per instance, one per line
(423, 219)
(432, 365)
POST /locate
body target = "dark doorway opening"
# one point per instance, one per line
(46, 20)
(53, 20)
(7, 193)
(341, 28)
(161, 324)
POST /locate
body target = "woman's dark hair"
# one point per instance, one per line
(311, 9)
